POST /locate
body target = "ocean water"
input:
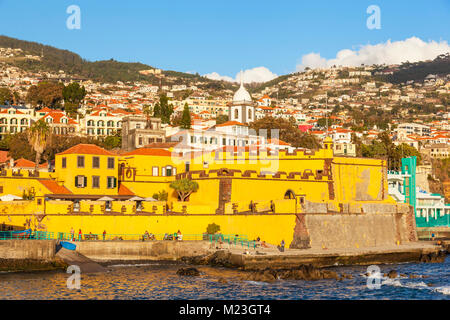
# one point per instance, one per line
(160, 281)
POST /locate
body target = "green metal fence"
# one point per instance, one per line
(33, 235)
(241, 240)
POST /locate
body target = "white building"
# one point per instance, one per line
(242, 108)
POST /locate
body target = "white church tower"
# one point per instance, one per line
(242, 108)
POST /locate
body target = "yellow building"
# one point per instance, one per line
(87, 170)
(303, 197)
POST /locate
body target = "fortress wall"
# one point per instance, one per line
(356, 179)
(137, 250)
(23, 249)
(269, 227)
(366, 225)
(351, 231)
(377, 225)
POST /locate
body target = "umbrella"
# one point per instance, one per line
(150, 199)
(136, 198)
(105, 198)
(10, 197)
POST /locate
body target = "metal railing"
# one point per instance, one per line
(127, 237)
(232, 240)
(26, 235)
(238, 240)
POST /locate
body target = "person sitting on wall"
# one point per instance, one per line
(264, 245)
(146, 236)
(166, 236)
(152, 236)
(281, 246)
(179, 236)
(104, 235)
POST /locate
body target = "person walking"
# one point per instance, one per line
(72, 234)
(104, 235)
(282, 245)
(80, 235)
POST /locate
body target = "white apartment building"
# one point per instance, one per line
(14, 119)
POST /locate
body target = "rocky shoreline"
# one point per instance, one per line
(31, 265)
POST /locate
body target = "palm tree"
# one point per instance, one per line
(38, 137)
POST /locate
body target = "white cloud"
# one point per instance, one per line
(412, 50)
(258, 74)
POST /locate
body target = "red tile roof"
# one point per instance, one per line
(231, 123)
(4, 156)
(124, 191)
(24, 163)
(278, 142)
(57, 116)
(87, 149)
(54, 188)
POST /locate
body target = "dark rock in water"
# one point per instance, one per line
(217, 259)
(392, 274)
(346, 276)
(403, 275)
(222, 280)
(430, 284)
(413, 276)
(434, 257)
(424, 276)
(304, 272)
(188, 272)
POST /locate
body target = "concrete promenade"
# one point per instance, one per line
(234, 256)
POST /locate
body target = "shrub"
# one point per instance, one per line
(212, 228)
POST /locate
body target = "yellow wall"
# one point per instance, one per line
(270, 228)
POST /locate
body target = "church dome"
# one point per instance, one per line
(242, 95)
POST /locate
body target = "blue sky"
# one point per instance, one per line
(221, 36)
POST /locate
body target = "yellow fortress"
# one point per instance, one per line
(308, 199)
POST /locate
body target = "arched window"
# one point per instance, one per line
(100, 123)
(249, 114)
(119, 124)
(23, 121)
(110, 123)
(236, 114)
(289, 195)
(13, 121)
(90, 123)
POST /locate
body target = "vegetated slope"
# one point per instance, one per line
(54, 59)
(418, 71)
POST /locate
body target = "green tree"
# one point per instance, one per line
(16, 145)
(322, 122)
(5, 95)
(186, 118)
(147, 109)
(161, 195)
(221, 119)
(74, 93)
(46, 93)
(184, 187)
(157, 110)
(287, 130)
(113, 142)
(166, 109)
(38, 137)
